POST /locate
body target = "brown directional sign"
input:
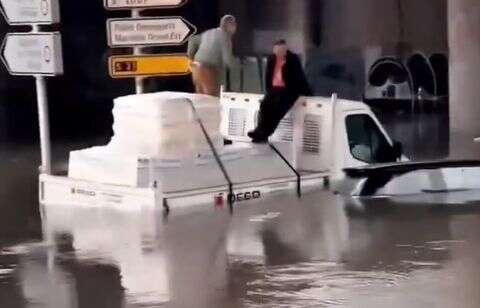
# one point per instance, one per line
(148, 65)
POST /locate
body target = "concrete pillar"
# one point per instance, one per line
(464, 43)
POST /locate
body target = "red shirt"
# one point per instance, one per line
(277, 79)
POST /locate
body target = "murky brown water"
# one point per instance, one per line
(279, 252)
(282, 252)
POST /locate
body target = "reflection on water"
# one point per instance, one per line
(424, 135)
(283, 252)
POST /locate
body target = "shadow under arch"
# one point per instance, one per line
(440, 67)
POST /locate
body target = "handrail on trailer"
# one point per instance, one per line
(215, 154)
(224, 170)
(297, 174)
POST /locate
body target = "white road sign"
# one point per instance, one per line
(142, 4)
(33, 53)
(24, 12)
(158, 31)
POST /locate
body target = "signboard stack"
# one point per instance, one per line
(138, 32)
(32, 53)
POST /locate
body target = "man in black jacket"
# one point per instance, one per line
(285, 82)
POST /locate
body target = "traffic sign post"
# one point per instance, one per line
(36, 54)
(29, 12)
(155, 31)
(142, 4)
(149, 66)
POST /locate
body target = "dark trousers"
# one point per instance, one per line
(274, 107)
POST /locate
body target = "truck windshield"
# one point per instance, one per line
(367, 143)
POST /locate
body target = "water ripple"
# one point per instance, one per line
(314, 285)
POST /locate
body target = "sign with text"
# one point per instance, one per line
(33, 54)
(25, 12)
(148, 66)
(157, 31)
(142, 4)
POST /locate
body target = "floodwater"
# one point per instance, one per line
(319, 251)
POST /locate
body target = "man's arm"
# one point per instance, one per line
(269, 73)
(300, 76)
(193, 46)
(229, 59)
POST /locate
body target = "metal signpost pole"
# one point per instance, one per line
(139, 85)
(43, 119)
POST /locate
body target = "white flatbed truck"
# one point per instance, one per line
(322, 142)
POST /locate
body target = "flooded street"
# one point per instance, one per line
(140, 111)
(319, 251)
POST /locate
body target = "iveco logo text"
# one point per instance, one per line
(246, 196)
(83, 192)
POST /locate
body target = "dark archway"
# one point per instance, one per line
(386, 69)
(392, 75)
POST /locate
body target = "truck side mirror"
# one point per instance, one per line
(397, 150)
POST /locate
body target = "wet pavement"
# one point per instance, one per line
(319, 251)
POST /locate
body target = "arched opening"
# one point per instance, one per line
(423, 75)
(389, 80)
(387, 69)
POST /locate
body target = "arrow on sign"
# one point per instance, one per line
(33, 54)
(142, 4)
(26, 12)
(158, 31)
(148, 66)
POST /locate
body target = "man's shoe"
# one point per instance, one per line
(253, 134)
(257, 137)
(260, 140)
(227, 142)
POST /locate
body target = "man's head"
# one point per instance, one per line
(280, 48)
(229, 24)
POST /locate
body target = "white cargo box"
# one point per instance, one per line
(312, 133)
(240, 115)
(308, 127)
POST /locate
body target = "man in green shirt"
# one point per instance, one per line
(210, 53)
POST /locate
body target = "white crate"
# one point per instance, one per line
(240, 116)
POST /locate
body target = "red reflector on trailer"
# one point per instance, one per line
(219, 200)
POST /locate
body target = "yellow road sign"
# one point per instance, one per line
(148, 66)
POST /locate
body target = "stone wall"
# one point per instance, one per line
(348, 34)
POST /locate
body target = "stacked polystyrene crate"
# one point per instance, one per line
(163, 125)
(158, 127)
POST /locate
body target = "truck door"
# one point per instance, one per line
(367, 142)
